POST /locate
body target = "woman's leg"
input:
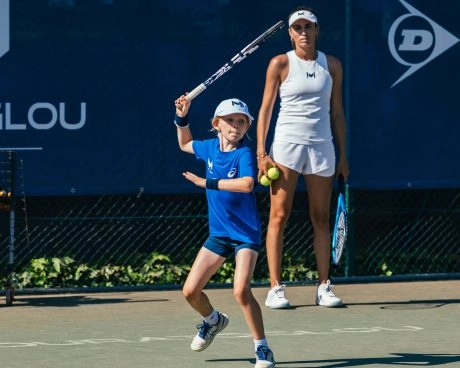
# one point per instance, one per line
(281, 196)
(319, 190)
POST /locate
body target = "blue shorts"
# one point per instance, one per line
(225, 246)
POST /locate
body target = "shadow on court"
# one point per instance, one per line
(411, 360)
(408, 324)
(406, 305)
(74, 301)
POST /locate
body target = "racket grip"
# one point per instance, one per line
(195, 92)
(341, 183)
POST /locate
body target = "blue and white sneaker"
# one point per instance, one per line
(207, 333)
(264, 357)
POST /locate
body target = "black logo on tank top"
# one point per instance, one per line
(310, 75)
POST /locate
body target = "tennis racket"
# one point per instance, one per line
(339, 236)
(249, 49)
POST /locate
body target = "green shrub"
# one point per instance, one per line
(53, 272)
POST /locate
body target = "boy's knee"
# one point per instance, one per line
(242, 295)
(188, 293)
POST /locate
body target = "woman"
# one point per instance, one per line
(311, 119)
(234, 225)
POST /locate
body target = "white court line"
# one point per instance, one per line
(233, 335)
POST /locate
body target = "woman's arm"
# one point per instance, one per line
(275, 73)
(338, 122)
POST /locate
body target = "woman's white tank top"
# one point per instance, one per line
(304, 116)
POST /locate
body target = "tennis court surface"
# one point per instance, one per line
(409, 324)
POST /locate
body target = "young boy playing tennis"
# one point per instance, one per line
(234, 225)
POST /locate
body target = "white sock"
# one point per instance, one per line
(212, 318)
(258, 343)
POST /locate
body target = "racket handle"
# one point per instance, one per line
(195, 92)
(341, 183)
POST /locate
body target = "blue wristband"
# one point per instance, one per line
(212, 183)
(181, 121)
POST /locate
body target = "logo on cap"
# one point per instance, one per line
(238, 103)
(303, 14)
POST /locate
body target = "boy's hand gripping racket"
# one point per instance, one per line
(249, 49)
(339, 236)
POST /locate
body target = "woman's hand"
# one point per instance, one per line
(263, 164)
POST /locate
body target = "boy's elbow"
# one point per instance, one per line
(185, 146)
(248, 186)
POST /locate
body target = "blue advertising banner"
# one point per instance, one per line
(405, 128)
(87, 87)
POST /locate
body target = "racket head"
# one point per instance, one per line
(340, 232)
(262, 38)
(250, 48)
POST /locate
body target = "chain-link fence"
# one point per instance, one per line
(409, 232)
(405, 232)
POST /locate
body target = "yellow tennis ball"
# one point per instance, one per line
(265, 181)
(273, 173)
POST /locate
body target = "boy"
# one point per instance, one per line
(234, 225)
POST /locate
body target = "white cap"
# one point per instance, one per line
(303, 14)
(232, 106)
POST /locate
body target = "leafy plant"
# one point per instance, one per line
(158, 269)
(385, 270)
(54, 272)
(294, 270)
(225, 273)
(47, 272)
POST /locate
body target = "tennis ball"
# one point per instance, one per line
(273, 173)
(265, 181)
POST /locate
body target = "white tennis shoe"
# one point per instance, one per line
(207, 333)
(276, 298)
(264, 357)
(326, 298)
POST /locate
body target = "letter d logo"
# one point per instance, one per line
(4, 27)
(403, 39)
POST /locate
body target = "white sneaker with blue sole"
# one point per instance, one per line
(207, 333)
